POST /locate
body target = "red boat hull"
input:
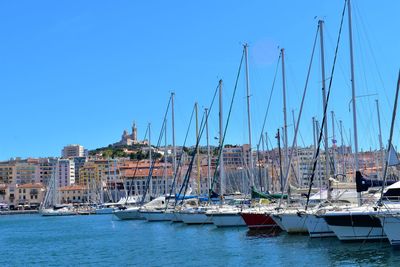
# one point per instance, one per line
(258, 220)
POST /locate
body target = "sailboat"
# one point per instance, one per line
(359, 223)
(228, 215)
(128, 213)
(368, 222)
(390, 215)
(292, 219)
(192, 214)
(50, 206)
(104, 207)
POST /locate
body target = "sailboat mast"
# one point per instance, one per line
(351, 155)
(101, 189)
(353, 93)
(380, 134)
(208, 151)
(173, 134)
(56, 185)
(297, 149)
(342, 148)
(264, 169)
(284, 109)
(251, 168)
(267, 164)
(334, 171)
(115, 180)
(314, 138)
(165, 159)
(319, 161)
(327, 166)
(109, 177)
(278, 136)
(198, 149)
(150, 160)
(221, 136)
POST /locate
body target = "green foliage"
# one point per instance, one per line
(215, 151)
(118, 151)
(156, 155)
(137, 156)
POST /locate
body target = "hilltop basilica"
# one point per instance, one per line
(129, 139)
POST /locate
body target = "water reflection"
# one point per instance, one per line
(263, 233)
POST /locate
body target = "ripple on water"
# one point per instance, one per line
(103, 241)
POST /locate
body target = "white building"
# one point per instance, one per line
(71, 151)
(46, 167)
(303, 166)
(66, 172)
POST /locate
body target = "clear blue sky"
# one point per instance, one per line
(82, 71)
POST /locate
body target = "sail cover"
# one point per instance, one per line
(392, 158)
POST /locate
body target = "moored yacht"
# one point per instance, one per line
(359, 223)
(316, 225)
(128, 213)
(259, 218)
(226, 217)
(155, 210)
(176, 216)
(105, 209)
(390, 215)
(292, 220)
(363, 223)
(196, 215)
(61, 211)
(390, 223)
(157, 214)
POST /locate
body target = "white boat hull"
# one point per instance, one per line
(195, 218)
(60, 212)
(176, 217)
(391, 227)
(346, 233)
(128, 214)
(104, 211)
(291, 222)
(156, 216)
(227, 219)
(317, 227)
(355, 225)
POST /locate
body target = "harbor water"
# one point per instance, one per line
(102, 240)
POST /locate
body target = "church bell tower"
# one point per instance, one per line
(134, 132)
